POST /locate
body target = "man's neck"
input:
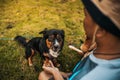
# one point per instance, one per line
(108, 49)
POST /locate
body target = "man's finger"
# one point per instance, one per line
(51, 63)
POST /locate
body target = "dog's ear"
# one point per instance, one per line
(44, 32)
(62, 33)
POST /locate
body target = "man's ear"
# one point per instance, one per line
(100, 32)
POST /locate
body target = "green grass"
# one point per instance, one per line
(28, 18)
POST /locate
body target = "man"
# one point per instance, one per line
(102, 25)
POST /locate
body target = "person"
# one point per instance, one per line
(102, 25)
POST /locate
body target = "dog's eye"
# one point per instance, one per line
(59, 39)
(50, 39)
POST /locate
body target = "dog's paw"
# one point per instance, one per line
(57, 65)
(30, 64)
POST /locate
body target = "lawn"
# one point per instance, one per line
(28, 18)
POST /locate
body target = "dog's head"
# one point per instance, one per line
(54, 40)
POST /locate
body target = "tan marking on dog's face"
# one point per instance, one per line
(48, 43)
(59, 37)
(60, 40)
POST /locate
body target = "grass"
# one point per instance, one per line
(28, 18)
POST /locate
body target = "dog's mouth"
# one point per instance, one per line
(56, 48)
(53, 53)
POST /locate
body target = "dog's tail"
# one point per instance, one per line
(22, 40)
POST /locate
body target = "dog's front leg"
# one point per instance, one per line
(30, 63)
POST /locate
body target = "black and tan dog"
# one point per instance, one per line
(49, 46)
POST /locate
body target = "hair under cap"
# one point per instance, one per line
(105, 13)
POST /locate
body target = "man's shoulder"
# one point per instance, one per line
(102, 73)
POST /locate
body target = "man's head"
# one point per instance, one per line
(105, 13)
(100, 18)
(90, 28)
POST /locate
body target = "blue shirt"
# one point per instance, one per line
(92, 68)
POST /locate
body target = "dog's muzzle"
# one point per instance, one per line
(53, 53)
(56, 46)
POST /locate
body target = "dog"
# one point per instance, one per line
(49, 46)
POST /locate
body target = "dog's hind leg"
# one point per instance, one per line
(29, 54)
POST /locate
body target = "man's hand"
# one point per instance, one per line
(50, 69)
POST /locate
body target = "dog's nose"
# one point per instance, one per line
(56, 46)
